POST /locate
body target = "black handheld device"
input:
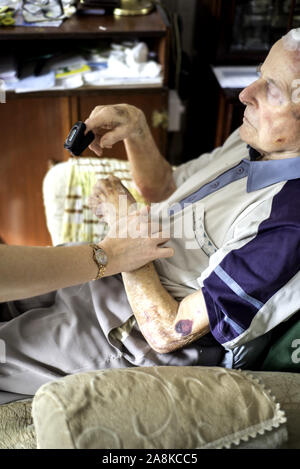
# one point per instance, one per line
(76, 141)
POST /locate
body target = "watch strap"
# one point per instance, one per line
(101, 267)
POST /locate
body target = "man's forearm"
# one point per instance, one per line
(166, 324)
(150, 170)
(154, 308)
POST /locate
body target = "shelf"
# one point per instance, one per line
(87, 91)
(88, 27)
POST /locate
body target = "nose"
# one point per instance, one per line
(249, 94)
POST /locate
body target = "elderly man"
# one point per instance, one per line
(243, 279)
(234, 273)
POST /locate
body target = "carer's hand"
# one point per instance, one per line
(133, 241)
(113, 123)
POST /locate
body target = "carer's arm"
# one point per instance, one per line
(165, 323)
(27, 271)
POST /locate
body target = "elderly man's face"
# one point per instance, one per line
(271, 121)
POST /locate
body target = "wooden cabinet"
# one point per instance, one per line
(34, 125)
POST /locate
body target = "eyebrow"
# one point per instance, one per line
(270, 80)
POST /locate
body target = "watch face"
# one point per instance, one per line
(101, 256)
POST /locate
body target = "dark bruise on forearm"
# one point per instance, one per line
(156, 311)
(184, 327)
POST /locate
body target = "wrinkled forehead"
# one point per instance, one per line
(290, 46)
(283, 60)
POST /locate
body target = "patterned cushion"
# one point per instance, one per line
(16, 426)
(66, 189)
(159, 408)
(17, 430)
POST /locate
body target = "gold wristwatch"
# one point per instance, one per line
(100, 258)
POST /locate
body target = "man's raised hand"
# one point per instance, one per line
(113, 123)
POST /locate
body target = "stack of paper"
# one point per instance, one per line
(127, 63)
(35, 83)
(69, 70)
(235, 77)
(8, 72)
(122, 65)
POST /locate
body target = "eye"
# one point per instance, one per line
(274, 94)
(273, 90)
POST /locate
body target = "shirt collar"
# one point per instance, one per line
(265, 173)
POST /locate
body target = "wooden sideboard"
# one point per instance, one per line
(34, 125)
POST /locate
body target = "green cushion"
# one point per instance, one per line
(284, 354)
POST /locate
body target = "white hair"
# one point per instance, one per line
(291, 41)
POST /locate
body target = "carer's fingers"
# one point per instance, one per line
(160, 237)
(164, 252)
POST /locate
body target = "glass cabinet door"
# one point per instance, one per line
(259, 23)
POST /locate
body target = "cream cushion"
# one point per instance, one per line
(66, 190)
(157, 407)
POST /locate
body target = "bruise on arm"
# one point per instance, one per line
(166, 324)
(191, 321)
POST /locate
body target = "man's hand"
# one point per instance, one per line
(114, 123)
(110, 199)
(151, 172)
(133, 239)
